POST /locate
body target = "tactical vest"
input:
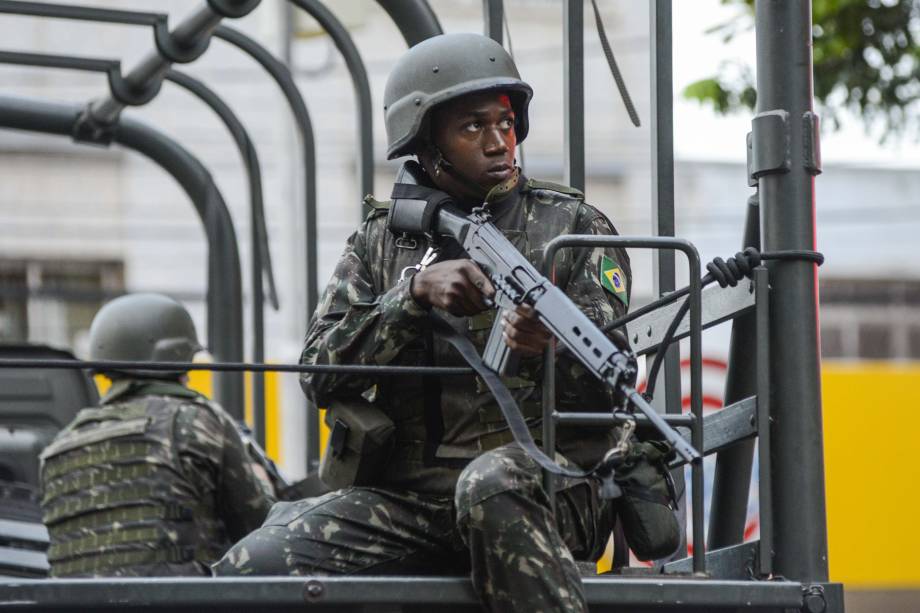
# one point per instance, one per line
(426, 457)
(115, 500)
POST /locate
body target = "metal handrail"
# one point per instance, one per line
(696, 361)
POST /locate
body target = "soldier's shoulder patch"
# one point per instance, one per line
(613, 279)
(533, 184)
(376, 207)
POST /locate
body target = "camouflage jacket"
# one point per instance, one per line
(155, 481)
(367, 316)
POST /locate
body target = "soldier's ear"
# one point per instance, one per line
(427, 156)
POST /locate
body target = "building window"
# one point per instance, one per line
(870, 319)
(53, 302)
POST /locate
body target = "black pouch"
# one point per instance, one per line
(649, 522)
(360, 442)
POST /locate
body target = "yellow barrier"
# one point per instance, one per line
(871, 421)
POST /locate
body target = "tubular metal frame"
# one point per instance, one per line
(250, 161)
(414, 18)
(696, 362)
(230, 392)
(224, 293)
(346, 46)
(803, 548)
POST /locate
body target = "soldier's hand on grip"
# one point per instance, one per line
(523, 331)
(457, 286)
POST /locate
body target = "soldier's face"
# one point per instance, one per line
(476, 134)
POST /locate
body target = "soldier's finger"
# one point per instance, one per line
(458, 302)
(527, 321)
(528, 334)
(522, 344)
(479, 280)
(526, 311)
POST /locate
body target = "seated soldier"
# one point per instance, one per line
(156, 480)
(457, 493)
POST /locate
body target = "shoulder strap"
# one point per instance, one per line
(533, 184)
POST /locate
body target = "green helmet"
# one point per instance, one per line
(143, 328)
(442, 68)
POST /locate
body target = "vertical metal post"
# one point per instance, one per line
(282, 76)
(258, 238)
(573, 65)
(762, 314)
(662, 170)
(785, 162)
(493, 13)
(732, 481)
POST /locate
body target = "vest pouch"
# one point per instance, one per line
(361, 438)
(649, 522)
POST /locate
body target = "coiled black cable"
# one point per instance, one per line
(725, 273)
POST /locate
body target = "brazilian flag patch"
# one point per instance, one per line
(612, 279)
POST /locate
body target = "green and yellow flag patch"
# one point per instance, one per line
(612, 278)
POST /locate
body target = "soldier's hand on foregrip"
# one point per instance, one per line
(523, 331)
(457, 286)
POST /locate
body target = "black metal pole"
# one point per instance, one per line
(282, 76)
(764, 442)
(254, 175)
(414, 18)
(165, 45)
(732, 477)
(261, 255)
(346, 46)
(187, 42)
(785, 162)
(663, 222)
(224, 293)
(493, 14)
(573, 17)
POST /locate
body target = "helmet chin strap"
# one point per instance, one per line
(441, 163)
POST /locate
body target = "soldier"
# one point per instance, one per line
(155, 481)
(456, 494)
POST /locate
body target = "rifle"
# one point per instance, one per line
(418, 209)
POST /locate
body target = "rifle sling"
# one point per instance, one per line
(516, 422)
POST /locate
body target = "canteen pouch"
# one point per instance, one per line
(360, 442)
(649, 522)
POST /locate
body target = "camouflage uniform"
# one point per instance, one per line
(154, 482)
(457, 493)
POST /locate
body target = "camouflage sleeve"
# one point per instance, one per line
(245, 494)
(600, 283)
(215, 459)
(357, 323)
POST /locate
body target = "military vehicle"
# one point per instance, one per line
(773, 366)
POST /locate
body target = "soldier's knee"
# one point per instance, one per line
(502, 471)
(259, 553)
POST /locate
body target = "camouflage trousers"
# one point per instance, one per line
(498, 527)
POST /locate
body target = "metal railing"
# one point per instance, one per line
(551, 418)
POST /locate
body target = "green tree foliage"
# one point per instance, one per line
(867, 60)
